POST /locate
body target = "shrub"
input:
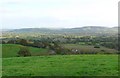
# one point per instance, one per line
(96, 46)
(24, 51)
(23, 42)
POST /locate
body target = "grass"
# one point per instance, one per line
(61, 65)
(89, 48)
(11, 50)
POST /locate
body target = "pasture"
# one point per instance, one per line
(11, 50)
(61, 65)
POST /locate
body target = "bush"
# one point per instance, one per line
(24, 51)
(23, 42)
(96, 46)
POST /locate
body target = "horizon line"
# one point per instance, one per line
(56, 27)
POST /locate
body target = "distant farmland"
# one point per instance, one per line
(89, 48)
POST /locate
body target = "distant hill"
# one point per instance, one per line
(89, 30)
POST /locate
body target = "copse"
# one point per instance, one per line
(24, 51)
(23, 42)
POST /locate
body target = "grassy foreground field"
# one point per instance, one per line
(58, 65)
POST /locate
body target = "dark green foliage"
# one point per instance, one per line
(113, 45)
(96, 46)
(11, 42)
(24, 51)
(2, 42)
(38, 44)
(57, 48)
(23, 42)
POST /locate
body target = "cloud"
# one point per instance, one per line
(59, 12)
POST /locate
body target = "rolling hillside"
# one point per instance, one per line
(11, 50)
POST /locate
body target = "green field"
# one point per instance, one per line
(61, 65)
(11, 50)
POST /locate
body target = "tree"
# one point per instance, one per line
(97, 46)
(23, 42)
(3, 42)
(24, 51)
(11, 42)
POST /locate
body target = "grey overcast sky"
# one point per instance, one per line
(58, 13)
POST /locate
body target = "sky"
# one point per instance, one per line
(15, 14)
